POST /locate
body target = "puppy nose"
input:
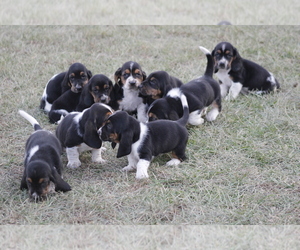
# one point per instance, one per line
(132, 83)
(222, 65)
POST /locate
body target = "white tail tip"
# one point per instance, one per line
(204, 50)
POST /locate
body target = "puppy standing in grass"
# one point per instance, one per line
(141, 142)
(42, 162)
(201, 93)
(77, 132)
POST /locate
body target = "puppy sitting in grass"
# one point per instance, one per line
(141, 142)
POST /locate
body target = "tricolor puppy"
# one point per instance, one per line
(129, 77)
(98, 90)
(75, 78)
(141, 142)
(237, 74)
(42, 162)
(156, 86)
(200, 93)
(77, 132)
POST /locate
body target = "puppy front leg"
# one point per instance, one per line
(142, 169)
(73, 157)
(234, 90)
(96, 155)
(131, 164)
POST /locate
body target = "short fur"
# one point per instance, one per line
(200, 93)
(42, 163)
(75, 78)
(141, 142)
(236, 74)
(63, 105)
(98, 90)
(156, 86)
(129, 77)
(77, 132)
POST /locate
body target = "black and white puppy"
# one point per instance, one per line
(156, 86)
(129, 77)
(237, 74)
(75, 78)
(78, 132)
(98, 90)
(200, 93)
(141, 142)
(42, 162)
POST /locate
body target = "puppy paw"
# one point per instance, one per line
(98, 159)
(173, 162)
(128, 168)
(73, 164)
(212, 115)
(141, 175)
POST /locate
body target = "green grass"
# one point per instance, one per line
(242, 169)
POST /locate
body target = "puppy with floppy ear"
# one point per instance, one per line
(75, 78)
(99, 89)
(237, 74)
(141, 142)
(42, 162)
(77, 132)
(200, 93)
(156, 86)
(129, 78)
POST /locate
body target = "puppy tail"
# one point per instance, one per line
(186, 112)
(210, 63)
(31, 119)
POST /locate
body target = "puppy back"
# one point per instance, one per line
(31, 119)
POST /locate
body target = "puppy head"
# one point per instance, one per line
(226, 57)
(100, 87)
(162, 109)
(120, 128)
(37, 177)
(130, 75)
(94, 118)
(76, 77)
(154, 84)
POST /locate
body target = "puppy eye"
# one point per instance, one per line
(109, 126)
(83, 76)
(125, 75)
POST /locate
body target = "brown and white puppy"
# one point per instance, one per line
(75, 78)
(201, 93)
(129, 77)
(141, 142)
(237, 74)
(42, 163)
(77, 132)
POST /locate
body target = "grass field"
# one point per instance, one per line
(161, 12)
(242, 169)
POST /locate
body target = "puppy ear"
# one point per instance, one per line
(125, 143)
(89, 74)
(65, 84)
(23, 182)
(60, 184)
(117, 77)
(90, 136)
(236, 64)
(144, 75)
(214, 61)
